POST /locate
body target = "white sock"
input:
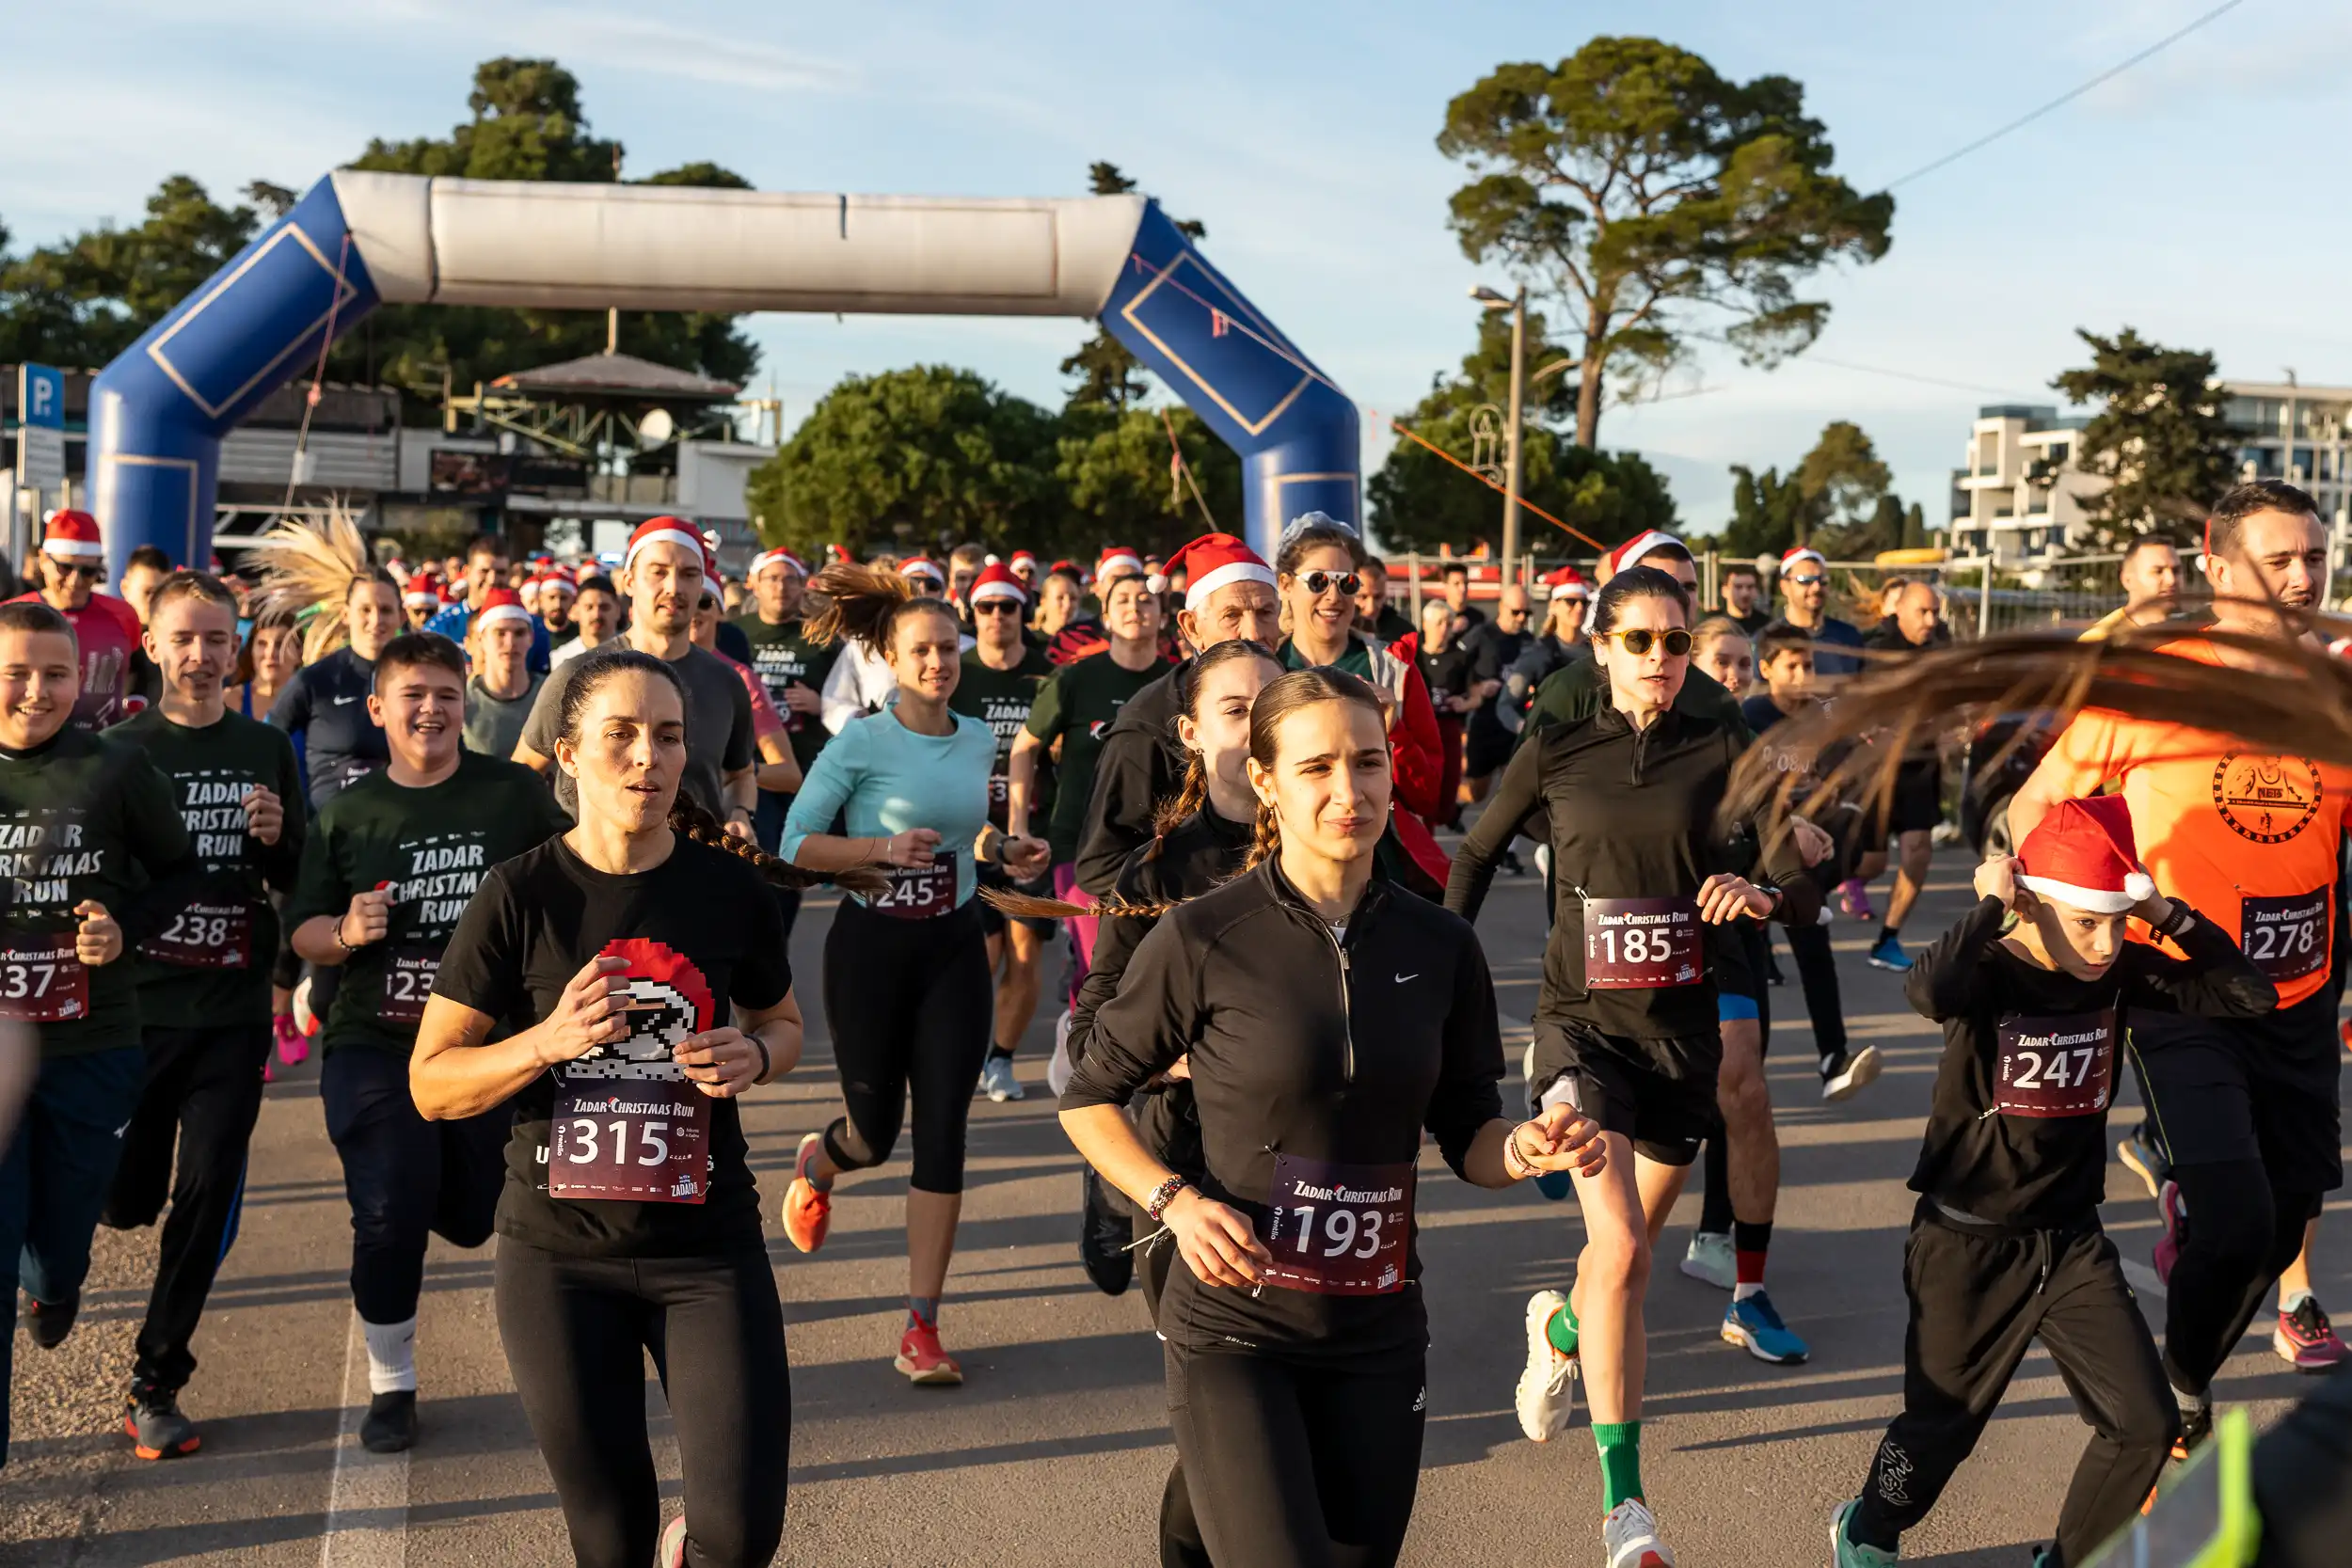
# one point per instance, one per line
(1741, 1293)
(2289, 1302)
(392, 1356)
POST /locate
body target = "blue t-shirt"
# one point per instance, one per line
(457, 620)
(1760, 712)
(1832, 636)
(883, 779)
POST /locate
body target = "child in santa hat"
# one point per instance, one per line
(2034, 988)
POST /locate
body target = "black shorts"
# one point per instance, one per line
(993, 920)
(1917, 804)
(1488, 750)
(2255, 1089)
(1658, 1094)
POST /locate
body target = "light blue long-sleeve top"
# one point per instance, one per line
(884, 779)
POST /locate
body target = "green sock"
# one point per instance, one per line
(1620, 1461)
(1561, 1330)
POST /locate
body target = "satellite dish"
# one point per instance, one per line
(655, 430)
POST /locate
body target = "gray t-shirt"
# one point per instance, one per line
(718, 726)
(494, 723)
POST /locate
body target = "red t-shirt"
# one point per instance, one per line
(108, 630)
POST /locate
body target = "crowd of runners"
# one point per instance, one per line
(517, 846)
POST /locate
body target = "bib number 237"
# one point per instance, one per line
(1338, 1229)
(42, 980)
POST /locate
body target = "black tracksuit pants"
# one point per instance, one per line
(202, 1097)
(1977, 1301)
(1817, 974)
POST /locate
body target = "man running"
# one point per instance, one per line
(1914, 621)
(204, 987)
(485, 569)
(500, 695)
(71, 563)
(1804, 589)
(793, 669)
(596, 618)
(1493, 649)
(2245, 1110)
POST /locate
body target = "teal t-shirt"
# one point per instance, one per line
(882, 778)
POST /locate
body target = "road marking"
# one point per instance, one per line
(2143, 1279)
(367, 1503)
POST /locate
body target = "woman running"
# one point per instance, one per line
(1626, 1024)
(906, 968)
(1326, 1017)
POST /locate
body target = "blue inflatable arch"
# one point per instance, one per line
(358, 240)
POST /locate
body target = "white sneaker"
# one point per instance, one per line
(1546, 1396)
(997, 1082)
(1844, 1075)
(1711, 1259)
(1629, 1536)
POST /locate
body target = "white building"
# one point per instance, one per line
(2021, 490)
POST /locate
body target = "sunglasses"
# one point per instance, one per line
(1813, 581)
(1319, 583)
(1641, 638)
(64, 570)
(997, 606)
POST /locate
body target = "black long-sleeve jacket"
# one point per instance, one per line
(1305, 1044)
(1628, 814)
(2017, 1129)
(1140, 765)
(1200, 853)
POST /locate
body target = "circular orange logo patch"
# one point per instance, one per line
(2267, 798)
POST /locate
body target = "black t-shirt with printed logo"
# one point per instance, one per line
(1001, 699)
(1077, 707)
(700, 931)
(781, 657)
(205, 963)
(80, 817)
(430, 847)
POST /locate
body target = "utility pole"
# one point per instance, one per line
(1518, 421)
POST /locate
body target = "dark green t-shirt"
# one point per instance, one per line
(1077, 706)
(1001, 699)
(431, 847)
(782, 656)
(80, 817)
(206, 963)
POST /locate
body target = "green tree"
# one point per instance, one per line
(1769, 513)
(1636, 186)
(2158, 433)
(924, 457)
(527, 124)
(1839, 499)
(1107, 375)
(1114, 466)
(83, 301)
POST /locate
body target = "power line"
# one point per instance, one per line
(2060, 102)
(1809, 357)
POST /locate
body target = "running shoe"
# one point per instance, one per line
(50, 1322)
(1104, 1235)
(997, 1082)
(2306, 1340)
(808, 1212)
(923, 1362)
(2139, 1154)
(1887, 953)
(1847, 1553)
(1853, 897)
(1512, 864)
(670, 1552)
(2175, 1215)
(1629, 1537)
(2195, 1426)
(1847, 1073)
(157, 1430)
(391, 1423)
(1751, 1324)
(1709, 1258)
(1546, 1396)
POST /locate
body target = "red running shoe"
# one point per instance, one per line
(2305, 1341)
(2175, 1224)
(808, 1212)
(921, 1359)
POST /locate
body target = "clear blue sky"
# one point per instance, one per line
(2192, 198)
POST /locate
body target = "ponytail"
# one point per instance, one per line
(690, 821)
(861, 605)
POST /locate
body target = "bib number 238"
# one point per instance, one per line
(1338, 1229)
(204, 935)
(645, 1140)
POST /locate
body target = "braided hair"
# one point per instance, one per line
(690, 818)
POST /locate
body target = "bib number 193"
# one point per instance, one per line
(1338, 1229)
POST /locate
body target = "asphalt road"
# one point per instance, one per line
(1054, 1449)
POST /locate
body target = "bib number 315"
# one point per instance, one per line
(1338, 1229)
(645, 1140)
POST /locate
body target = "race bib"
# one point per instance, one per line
(408, 974)
(2055, 1067)
(629, 1131)
(919, 892)
(2285, 936)
(205, 934)
(1338, 1229)
(1641, 943)
(41, 981)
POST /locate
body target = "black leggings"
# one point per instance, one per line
(577, 1331)
(907, 1003)
(1294, 1465)
(1817, 973)
(2240, 1234)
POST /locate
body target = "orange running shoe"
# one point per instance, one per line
(808, 1212)
(921, 1359)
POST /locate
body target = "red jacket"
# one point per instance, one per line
(108, 631)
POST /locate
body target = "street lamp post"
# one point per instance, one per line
(1517, 305)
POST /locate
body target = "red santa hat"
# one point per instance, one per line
(71, 535)
(1118, 561)
(779, 556)
(501, 604)
(666, 530)
(1066, 567)
(997, 582)
(923, 567)
(1215, 561)
(1630, 553)
(2083, 853)
(559, 579)
(1023, 559)
(418, 593)
(1565, 582)
(1789, 559)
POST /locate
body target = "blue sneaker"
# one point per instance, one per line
(1853, 1554)
(1887, 953)
(1751, 1324)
